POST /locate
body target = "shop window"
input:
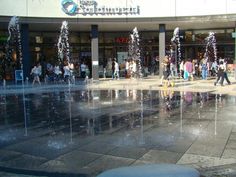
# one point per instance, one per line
(109, 38)
(38, 39)
(74, 38)
(37, 49)
(50, 38)
(189, 36)
(149, 37)
(101, 38)
(85, 37)
(228, 35)
(168, 37)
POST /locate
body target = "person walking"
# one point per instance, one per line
(67, 73)
(220, 74)
(204, 69)
(83, 70)
(181, 69)
(57, 73)
(126, 68)
(166, 72)
(214, 68)
(113, 68)
(36, 71)
(225, 72)
(116, 71)
(188, 70)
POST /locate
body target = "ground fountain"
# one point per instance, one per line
(63, 52)
(210, 51)
(14, 46)
(175, 40)
(56, 141)
(134, 52)
(142, 140)
(63, 46)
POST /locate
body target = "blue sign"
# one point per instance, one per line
(91, 7)
(69, 7)
(18, 75)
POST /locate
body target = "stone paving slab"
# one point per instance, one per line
(128, 152)
(160, 156)
(205, 162)
(107, 162)
(8, 155)
(207, 146)
(71, 162)
(25, 162)
(229, 153)
(97, 147)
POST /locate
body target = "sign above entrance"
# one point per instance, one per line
(91, 7)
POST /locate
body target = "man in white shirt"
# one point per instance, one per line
(117, 70)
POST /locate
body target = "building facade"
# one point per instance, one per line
(100, 29)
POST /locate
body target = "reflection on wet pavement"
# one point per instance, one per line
(84, 131)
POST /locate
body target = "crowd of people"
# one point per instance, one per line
(128, 68)
(58, 73)
(188, 69)
(191, 69)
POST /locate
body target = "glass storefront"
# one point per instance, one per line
(43, 46)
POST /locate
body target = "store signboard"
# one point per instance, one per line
(150, 9)
(18, 75)
(92, 7)
(122, 40)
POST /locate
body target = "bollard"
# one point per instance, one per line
(4, 83)
(73, 79)
(27, 80)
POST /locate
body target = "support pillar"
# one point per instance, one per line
(234, 36)
(94, 48)
(235, 46)
(162, 46)
(25, 50)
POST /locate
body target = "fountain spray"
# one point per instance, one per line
(14, 39)
(134, 51)
(176, 41)
(211, 44)
(63, 46)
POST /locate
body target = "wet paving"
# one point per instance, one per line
(85, 132)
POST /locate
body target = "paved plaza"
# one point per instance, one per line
(83, 130)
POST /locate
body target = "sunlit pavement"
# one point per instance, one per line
(153, 83)
(119, 126)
